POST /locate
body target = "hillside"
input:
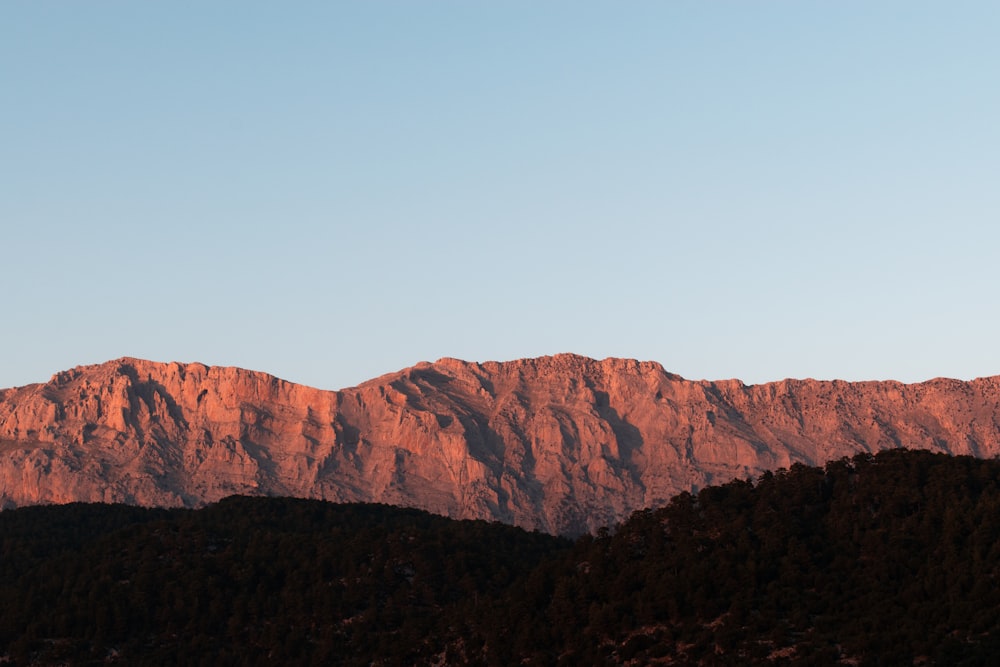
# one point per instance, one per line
(873, 560)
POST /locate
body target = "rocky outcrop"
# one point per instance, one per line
(563, 444)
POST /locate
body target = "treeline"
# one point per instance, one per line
(875, 560)
(889, 559)
(245, 581)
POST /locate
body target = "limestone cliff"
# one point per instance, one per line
(563, 444)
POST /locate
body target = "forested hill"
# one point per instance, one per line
(885, 559)
(245, 581)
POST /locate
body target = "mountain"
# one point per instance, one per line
(562, 444)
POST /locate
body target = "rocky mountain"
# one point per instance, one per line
(563, 444)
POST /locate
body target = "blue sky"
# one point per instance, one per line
(331, 191)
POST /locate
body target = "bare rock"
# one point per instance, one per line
(563, 444)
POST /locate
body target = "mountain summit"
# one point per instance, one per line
(563, 444)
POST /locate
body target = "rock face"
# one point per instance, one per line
(562, 444)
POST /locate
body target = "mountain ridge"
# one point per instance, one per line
(562, 443)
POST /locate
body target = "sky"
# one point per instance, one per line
(329, 191)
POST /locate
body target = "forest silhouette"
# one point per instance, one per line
(874, 560)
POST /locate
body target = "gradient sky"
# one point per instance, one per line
(329, 191)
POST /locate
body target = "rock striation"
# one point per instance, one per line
(562, 444)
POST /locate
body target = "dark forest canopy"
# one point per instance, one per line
(884, 559)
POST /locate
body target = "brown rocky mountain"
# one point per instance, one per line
(563, 444)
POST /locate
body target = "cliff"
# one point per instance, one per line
(562, 444)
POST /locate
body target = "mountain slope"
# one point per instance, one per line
(563, 444)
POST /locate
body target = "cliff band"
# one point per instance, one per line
(562, 444)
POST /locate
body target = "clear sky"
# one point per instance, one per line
(329, 191)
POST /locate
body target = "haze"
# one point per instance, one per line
(332, 191)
